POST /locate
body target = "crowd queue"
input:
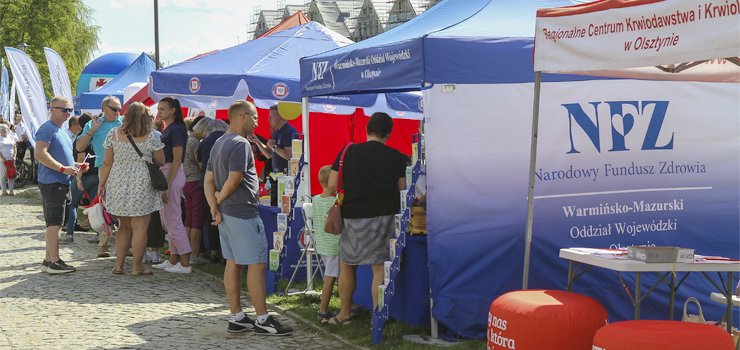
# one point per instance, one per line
(213, 187)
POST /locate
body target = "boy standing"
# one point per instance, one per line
(232, 190)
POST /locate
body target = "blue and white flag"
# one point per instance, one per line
(58, 72)
(4, 98)
(30, 91)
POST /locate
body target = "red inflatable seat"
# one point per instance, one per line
(662, 335)
(544, 319)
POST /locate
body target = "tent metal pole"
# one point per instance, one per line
(532, 163)
(306, 149)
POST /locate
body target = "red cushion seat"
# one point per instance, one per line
(662, 335)
(544, 319)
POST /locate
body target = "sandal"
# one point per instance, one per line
(117, 271)
(326, 316)
(356, 310)
(141, 272)
(344, 322)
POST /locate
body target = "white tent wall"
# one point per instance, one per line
(478, 169)
(477, 153)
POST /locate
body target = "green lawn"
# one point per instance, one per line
(359, 331)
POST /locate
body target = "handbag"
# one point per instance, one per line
(159, 182)
(693, 318)
(334, 223)
(10, 171)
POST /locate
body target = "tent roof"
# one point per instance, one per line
(267, 67)
(451, 42)
(632, 38)
(137, 72)
(296, 19)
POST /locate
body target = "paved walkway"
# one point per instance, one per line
(94, 309)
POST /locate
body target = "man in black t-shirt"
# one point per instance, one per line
(278, 148)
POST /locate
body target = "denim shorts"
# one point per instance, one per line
(53, 196)
(243, 240)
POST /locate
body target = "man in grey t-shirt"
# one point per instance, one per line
(232, 189)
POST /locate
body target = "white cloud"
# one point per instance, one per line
(115, 5)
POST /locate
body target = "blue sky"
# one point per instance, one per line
(186, 27)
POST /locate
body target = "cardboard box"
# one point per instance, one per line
(660, 254)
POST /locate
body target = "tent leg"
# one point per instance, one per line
(435, 326)
(530, 193)
(306, 149)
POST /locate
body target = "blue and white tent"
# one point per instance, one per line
(137, 72)
(473, 61)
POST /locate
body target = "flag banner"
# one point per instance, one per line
(11, 101)
(30, 91)
(58, 72)
(4, 102)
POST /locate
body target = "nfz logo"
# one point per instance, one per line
(650, 140)
(319, 68)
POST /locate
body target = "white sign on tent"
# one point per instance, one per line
(658, 33)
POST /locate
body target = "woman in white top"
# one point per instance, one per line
(7, 153)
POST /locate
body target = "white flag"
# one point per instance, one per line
(11, 102)
(30, 91)
(58, 72)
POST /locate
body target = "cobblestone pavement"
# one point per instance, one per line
(94, 309)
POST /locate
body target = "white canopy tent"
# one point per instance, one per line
(687, 40)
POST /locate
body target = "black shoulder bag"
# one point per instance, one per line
(159, 181)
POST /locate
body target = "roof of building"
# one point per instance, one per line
(296, 19)
(290, 10)
(331, 16)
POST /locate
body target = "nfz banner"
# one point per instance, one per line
(625, 163)
(619, 163)
(30, 91)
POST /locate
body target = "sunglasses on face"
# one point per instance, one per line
(114, 109)
(65, 110)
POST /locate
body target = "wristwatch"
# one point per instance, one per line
(273, 148)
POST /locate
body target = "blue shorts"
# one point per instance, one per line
(243, 240)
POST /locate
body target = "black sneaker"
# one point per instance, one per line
(59, 267)
(271, 327)
(44, 266)
(79, 228)
(240, 326)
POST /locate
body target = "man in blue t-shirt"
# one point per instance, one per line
(95, 132)
(278, 148)
(56, 170)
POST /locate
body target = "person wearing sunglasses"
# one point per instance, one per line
(57, 168)
(94, 132)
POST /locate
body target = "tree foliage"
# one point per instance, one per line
(66, 26)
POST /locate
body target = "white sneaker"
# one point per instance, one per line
(179, 269)
(164, 265)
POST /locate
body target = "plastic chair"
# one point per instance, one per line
(308, 252)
